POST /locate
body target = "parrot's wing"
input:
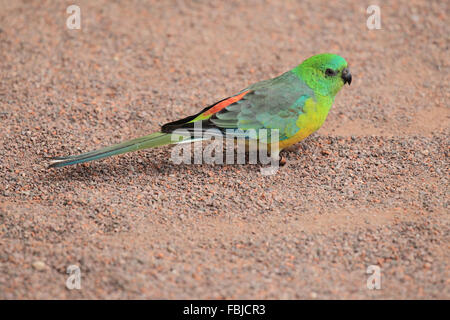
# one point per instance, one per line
(271, 104)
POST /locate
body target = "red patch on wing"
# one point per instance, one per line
(225, 103)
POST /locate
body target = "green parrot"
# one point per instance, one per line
(295, 103)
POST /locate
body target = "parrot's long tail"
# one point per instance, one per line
(151, 141)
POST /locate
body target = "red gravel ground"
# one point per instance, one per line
(370, 188)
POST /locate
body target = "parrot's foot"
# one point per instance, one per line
(282, 162)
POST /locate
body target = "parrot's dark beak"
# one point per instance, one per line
(346, 76)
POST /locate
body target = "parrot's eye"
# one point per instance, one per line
(330, 72)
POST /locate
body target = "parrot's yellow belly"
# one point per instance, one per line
(299, 136)
(315, 113)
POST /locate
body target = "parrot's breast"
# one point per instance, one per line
(314, 114)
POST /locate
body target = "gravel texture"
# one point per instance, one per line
(369, 188)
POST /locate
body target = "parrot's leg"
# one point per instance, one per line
(277, 157)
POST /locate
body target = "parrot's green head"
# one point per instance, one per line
(325, 73)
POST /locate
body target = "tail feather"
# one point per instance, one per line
(151, 141)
